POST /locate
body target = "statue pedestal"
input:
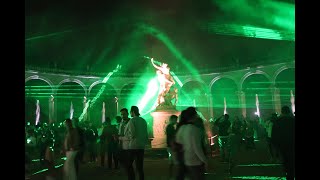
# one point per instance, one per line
(160, 121)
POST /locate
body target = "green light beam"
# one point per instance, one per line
(176, 78)
(151, 92)
(258, 165)
(165, 39)
(104, 86)
(48, 35)
(259, 177)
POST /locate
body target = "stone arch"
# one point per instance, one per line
(275, 75)
(258, 85)
(225, 88)
(41, 78)
(65, 94)
(220, 77)
(253, 73)
(37, 89)
(76, 81)
(93, 84)
(98, 82)
(194, 93)
(285, 83)
(206, 88)
(107, 96)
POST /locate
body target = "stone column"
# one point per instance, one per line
(85, 116)
(160, 121)
(210, 105)
(242, 101)
(51, 109)
(276, 99)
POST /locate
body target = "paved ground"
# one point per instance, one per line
(252, 164)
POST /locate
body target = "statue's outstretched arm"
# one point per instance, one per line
(157, 67)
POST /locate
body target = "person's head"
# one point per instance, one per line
(173, 119)
(68, 123)
(274, 117)
(118, 119)
(124, 113)
(164, 65)
(165, 68)
(226, 116)
(199, 122)
(134, 111)
(107, 121)
(189, 115)
(285, 110)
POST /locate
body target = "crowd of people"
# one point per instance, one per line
(188, 147)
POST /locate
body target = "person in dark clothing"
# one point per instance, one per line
(91, 137)
(223, 124)
(170, 132)
(283, 138)
(108, 135)
(79, 157)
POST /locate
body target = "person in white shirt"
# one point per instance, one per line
(123, 143)
(134, 140)
(189, 136)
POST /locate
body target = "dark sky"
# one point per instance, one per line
(77, 34)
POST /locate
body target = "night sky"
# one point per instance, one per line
(97, 35)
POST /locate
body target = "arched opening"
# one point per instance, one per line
(225, 90)
(260, 85)
(107, 96)
(67, 93)
(285, 81)
(37, 89)
(193, 93)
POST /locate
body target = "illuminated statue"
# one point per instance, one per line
(166, 81)
(173, 96)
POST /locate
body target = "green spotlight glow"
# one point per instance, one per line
(104, 86)
(166, 40)
(259, 177)
(151, 92)
(84, 110)
(258, 32)
(48, 35)
(249, 31)
(144, 93)
(258, 165)
(176, 78)
(153, 107)
(272, 14)
(43, 170)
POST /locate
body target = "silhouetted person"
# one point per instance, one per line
(82, 146)
(190, 136)
(123, 144)
(283, 137)
(223, 125)
(170, 132)
(71, 148)
(136, 137)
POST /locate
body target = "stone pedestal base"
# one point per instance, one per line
(160, 121)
